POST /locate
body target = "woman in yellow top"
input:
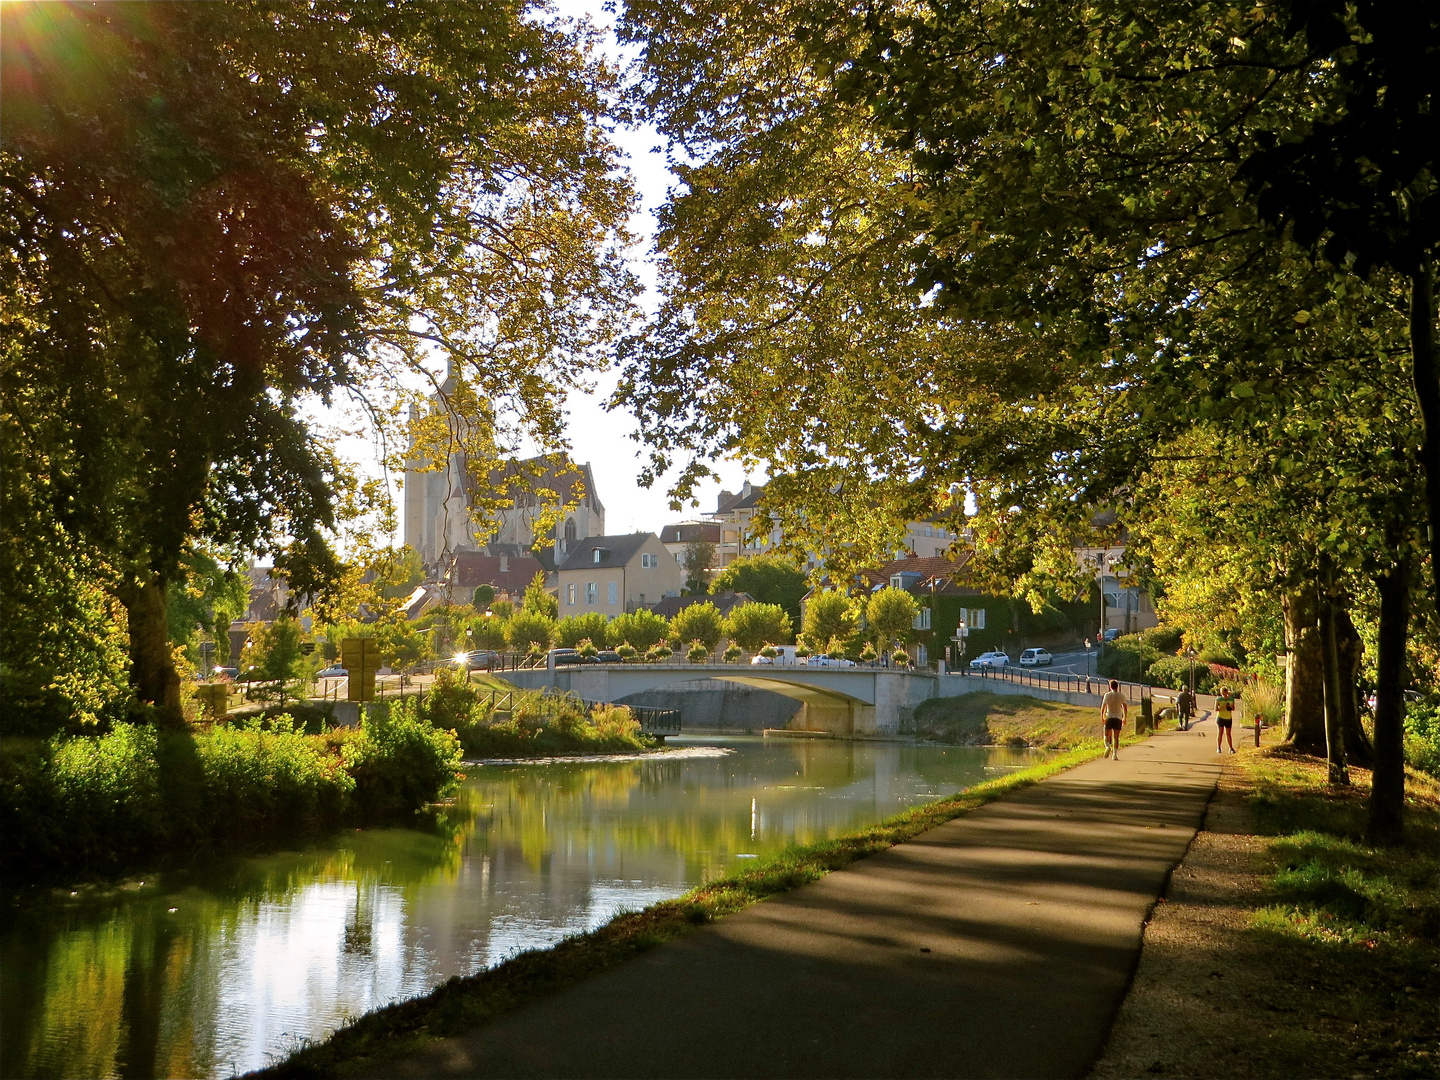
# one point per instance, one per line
(1225, 707)
(1114, 708)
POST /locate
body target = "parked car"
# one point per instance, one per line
(1032, 657)
(830, 661)
(479, 660)
(231, 673)
(758, 659)
(993, 658)
(561, 657)
(335, 671)
(1112, 633)
(608, 656)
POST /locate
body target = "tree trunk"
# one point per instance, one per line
(1334, 713)
(1352, 651)
(1304, 726)
(152, 667)
(1426, 369)
(1387, 794)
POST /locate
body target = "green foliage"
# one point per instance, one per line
(1263, 699)
(1422, 736)
(1175, 671)
(698, 622)
(139, 791)
(587, 648)
(1126, 658)
(767, 578)
(502, 609)
(829, 614)
(732, 653)
(574, 629)
(530, 631)
(752, 626)
(698, 653)
(642, 629)
(539, 600)
(626, 651)
(489, 632)
(400, 761)
(890, 614)
(482, 597)
(698, 557)
(1164, 639)
(658, 653)
(900, 658)
(867, 652)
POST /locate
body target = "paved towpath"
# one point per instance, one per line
(997, 945)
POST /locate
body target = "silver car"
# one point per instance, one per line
(994, 658)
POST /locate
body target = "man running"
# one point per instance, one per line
(1224, 720)
(1115, 709)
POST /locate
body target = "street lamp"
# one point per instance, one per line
(1087, 658)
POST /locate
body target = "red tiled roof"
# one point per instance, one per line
(471, 568)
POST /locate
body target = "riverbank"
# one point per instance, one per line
(1286, 946)
(986, 719)
(463, 1003)
(96, 803)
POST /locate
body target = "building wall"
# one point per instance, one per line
(635, 585)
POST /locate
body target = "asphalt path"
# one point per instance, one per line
(997, 945)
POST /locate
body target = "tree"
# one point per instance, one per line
(202, 233)
(540, 600)
(770, 580)
(530, 631)
(753, 626)
(697, 622)
(830, 616)
(576, 628)
(640, 629)
(698, 557)
(890, 614)
(482, 597)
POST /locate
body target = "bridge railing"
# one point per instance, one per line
(1063, 681)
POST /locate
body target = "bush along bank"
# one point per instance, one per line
(521, 723)
(138, 792)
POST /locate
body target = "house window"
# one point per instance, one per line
(975, 618)
(612, 593)
(650, 562)
(590, 592)
(678, 555)
(596, 555)
(570, 594)
(922, 620)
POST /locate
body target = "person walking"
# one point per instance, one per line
(1115, 709)
(1185, 707)
(1224, 720)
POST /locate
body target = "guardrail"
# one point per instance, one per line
(1059, 680)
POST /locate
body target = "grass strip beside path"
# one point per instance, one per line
(464, 1003)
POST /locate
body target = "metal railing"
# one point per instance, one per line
(1062, 681)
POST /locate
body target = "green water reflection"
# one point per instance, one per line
(219, 968)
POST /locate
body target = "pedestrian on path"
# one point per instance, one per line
(1225, 706)
(1115, 709)
(1185, 707)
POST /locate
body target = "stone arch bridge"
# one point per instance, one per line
(840, 701)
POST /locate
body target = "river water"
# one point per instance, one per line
(220, 968)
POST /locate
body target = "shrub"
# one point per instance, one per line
(698, 653)
(867, 652)
(802, 650)
(531, 631)
(1214, 654)
(1164, 639)
(1174, 672)
(770, 652)
(576, 628)
(1126, 658)
(1265, 700)
(752, 625)
(615, 723)
(699, 623)
(659, 652)
(261, 778)
(1422, 736)
(400, 761)
(587, 648)
(900, 658)
(642, 629)
(733, 653)
(626, 651)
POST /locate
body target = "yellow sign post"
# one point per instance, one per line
(361, 658)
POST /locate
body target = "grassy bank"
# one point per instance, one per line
(1286, 946)
(136, 792)
(461, 1004)
(986, 719)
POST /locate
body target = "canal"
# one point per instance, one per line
(221, 967)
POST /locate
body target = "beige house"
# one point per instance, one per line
(616, 574)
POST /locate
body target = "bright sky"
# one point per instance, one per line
(599, 437)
